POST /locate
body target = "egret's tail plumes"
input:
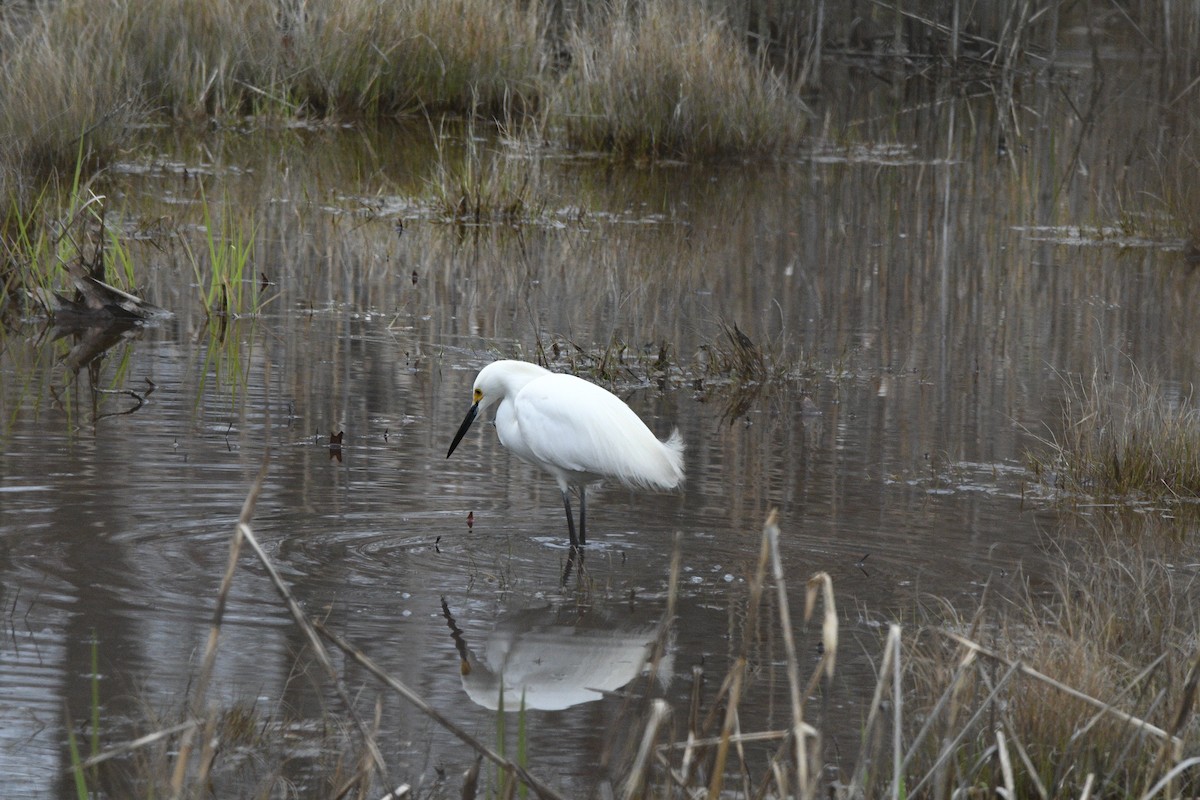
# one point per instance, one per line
(620, 446)
(673, 451)
(660, 467)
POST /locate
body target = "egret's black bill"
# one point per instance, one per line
(463, 430)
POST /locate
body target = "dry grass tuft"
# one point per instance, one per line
(386, 58)
(479, 186)
(669, 78)
(1181, 193)
(75, 67)
(200, 58)
(57, 89)
(1088, 683)
(1136, 441)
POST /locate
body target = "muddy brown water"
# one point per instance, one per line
(929, 293)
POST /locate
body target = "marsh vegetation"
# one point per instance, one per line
(918, 276)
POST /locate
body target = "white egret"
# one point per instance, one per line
(575, 430)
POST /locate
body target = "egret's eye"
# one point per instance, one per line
(478, 395)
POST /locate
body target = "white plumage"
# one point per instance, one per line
(575, 430)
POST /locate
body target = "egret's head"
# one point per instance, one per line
(487, 389)
(494, 382)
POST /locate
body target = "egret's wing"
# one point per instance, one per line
(578, 426)
(557, 421)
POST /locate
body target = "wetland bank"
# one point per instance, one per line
(925, 288)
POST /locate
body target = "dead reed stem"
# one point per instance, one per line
(471, 779)
(138, 743)
(314, 641)
(1005, 764)
(1129, 687)
(890, 649)
(663, 635)
(897, 712)
(636, 782)
(735, 696)
(950, 747)
(771, 534)
(935, 714)
(757, 582)
(1173, 749)
(748, 738)
(1031, 771)
(214, 635)
(1176, 771)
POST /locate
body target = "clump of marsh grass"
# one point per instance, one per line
(58, 243)
(616, 363)
(1172, 214)
(408, 55)
(731, 368)
(63, 85)
(730, 359)
(216, 57)
(228, 287)
(1085, 689)
(669, 78)
(1136, 442)
(745, 362)
(1181, 196)
(476, 185)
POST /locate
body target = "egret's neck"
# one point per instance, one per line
(518, 374)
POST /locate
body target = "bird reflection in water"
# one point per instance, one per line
(557, 658)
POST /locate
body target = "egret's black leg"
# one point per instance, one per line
(582, 515)
(570, 520)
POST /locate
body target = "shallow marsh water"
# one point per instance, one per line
(932, 294)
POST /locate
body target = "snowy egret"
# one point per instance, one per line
(574, 430)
